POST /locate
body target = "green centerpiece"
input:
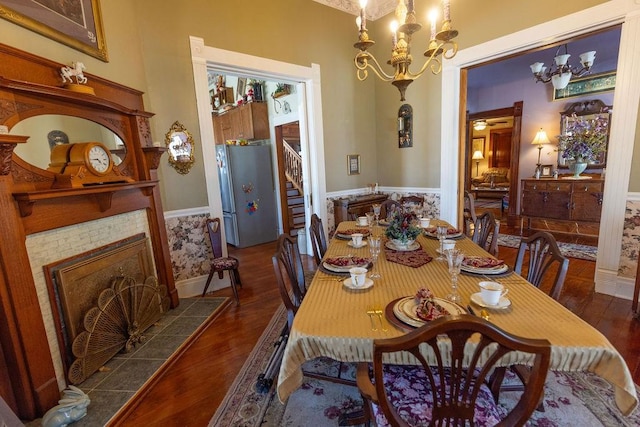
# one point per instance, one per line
(583, 141)
(402, 229)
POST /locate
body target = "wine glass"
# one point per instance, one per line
(454, 259)
(374, 249)
(441, 232)
(370, 218)
(376, 211)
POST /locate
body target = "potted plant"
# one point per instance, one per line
(582, 141)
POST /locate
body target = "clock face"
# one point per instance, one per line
(99, 159)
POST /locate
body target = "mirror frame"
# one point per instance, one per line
(587, 110)
(183, 160)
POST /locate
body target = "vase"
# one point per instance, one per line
(577, 167)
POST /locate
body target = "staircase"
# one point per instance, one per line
(295, 205)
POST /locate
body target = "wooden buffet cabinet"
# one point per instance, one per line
(579, 201)
(355, 205)
(248, 121)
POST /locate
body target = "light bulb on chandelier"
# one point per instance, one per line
(440, 43)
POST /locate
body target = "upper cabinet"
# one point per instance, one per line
(249, 121)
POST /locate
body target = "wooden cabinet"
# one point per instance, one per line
(357, 206)
(562, 199)
(249, 121)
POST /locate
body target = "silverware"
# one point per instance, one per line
(371, 312)
(379, 313)
(471, 310)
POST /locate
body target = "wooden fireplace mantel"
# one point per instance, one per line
(31, 86)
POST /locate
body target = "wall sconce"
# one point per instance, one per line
(405, 126)
(477, 156)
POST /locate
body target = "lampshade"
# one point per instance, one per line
(477, 155)
(541, 138)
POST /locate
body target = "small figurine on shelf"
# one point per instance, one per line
(250, 94)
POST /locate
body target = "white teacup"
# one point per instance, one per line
(362, 220)
(448, 244)
(358, 276)
(424, 222)
(491, 292)
(356, 239)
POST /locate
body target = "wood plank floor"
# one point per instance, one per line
(191, 392)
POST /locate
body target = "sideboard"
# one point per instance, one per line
(355, 206)
(579, 201)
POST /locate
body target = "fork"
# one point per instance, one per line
(372, 312)
(379, 312)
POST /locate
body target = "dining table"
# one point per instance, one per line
(336, 321)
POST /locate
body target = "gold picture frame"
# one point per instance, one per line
(478, 144)
(596, 83)
(180, 147)
(77, 24)
(353, 164)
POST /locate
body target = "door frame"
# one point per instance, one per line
(309, 114)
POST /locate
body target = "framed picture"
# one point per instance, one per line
(546, 171)
(596, 83)
(478, 145)
(242, 87)
(353, 164)
(77, 24)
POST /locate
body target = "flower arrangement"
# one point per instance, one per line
(402, 227)
(584, 139)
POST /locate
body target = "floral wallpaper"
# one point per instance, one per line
(630, 240)
(189, 246)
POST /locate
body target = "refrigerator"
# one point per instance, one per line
(248, 194)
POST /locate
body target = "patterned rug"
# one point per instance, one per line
(579, 399)
(571, 250)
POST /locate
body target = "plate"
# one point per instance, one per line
(383, 223)
(412, 247)
(434, 235)
(405, 310)
(348, 284)
(362, 245)
(346, 234)
(489, 271)
(477, 299)
(345, 268)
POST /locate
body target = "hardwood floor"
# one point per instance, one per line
(189, 394)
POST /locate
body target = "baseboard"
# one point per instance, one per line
(609, 283)
(193, 287)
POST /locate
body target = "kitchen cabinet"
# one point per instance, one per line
(561, 199)
(249, 121)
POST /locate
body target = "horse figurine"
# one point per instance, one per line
(71, 408)
(67, 73)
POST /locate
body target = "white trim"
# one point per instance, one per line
(633, 197)
(193, 286)
(383, 190)
(623, 125)
(310, 114)
(180, 213)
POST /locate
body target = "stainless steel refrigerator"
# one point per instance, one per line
(248, 194)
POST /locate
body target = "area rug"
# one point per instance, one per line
(571, 250)
(576, 398)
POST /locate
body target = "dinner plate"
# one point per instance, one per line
(345, 268)
(346, 234)
(405, 310)
(348, 284)
(412, 247)
(383, 223)
(362, 245)
(449, 236)
(488, 271)
(477, 299)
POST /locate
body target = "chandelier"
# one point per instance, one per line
(562, 73)
(440, 43)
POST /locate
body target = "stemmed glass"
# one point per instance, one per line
(454, 259)
(370, 218)
(441, 232)
(374, 249)
(376, 211)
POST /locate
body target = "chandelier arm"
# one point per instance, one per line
(362, 63)
(434, 63)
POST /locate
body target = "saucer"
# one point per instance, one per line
(477, 299)
(362, 245)
(367, 284)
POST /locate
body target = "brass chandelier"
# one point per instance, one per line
(441, 43)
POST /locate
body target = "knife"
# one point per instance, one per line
(471, 310)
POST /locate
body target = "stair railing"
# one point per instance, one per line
(293, 166)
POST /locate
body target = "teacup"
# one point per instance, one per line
(424, 222)
(448, 244)
(358, 276)
(491, 292)
(362, 220)
(356, 239)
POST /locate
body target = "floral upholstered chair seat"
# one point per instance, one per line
(410, 394)
(225, 263)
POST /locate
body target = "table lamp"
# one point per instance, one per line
(477, 156)
(540, 140)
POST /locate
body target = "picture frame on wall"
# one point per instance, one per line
(242, 87)
(77, 24)
(546, 171)
(353, 164)
(596, 83)
(477, 144)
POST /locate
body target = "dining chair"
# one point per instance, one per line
(412, 203)
(387, 207)
(220, 264)
(318, 239)
(469, 214)
(452, 393)
(290, 275)
(485, 232)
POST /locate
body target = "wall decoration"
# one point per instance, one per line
(546, 171)
(478, 145)
(596, 83)
(353, 164)
(405, 126)
(77, 24)
(241, 88)
(180, 147)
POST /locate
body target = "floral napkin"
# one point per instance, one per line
(414, 259)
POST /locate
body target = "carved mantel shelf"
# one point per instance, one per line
(102, 194)
(7, 144)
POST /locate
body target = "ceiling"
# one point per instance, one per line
(375, 8)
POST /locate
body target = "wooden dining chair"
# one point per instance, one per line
(412, 203)
(452, 393)
(469, 214)
(485, 232)
(290, 275)
(318, 239)
(220, 264)
(387, 207)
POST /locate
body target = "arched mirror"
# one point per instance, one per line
(48, 130)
